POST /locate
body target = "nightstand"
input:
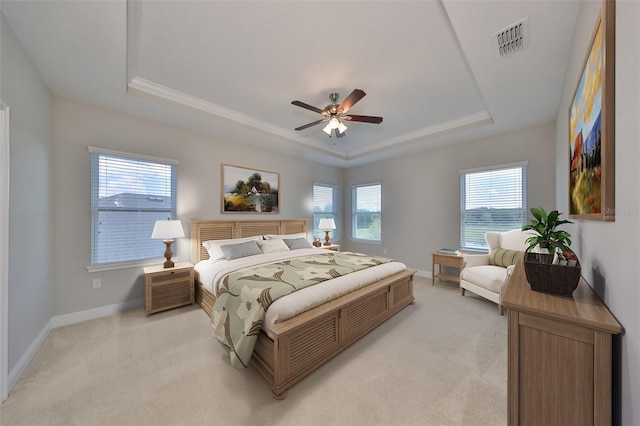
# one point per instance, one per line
(334, 247)
(167, 288)
(445, 259)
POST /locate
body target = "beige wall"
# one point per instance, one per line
(420, 195)
(421, 192)
(76, 126)
(30, 281)
(609, 252)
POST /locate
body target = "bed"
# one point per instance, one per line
(297, 346)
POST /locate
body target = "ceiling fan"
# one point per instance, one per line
(334, 114)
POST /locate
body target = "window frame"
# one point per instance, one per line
(95, 153)
(354, 213)
(523, 165)
(333, 214)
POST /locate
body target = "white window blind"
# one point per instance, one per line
(367, 212)
(128, 194)
(324, 206)
(491, 200)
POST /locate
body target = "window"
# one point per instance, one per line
(324, 206)
(492, 199)
(128, 194)
(366, 202)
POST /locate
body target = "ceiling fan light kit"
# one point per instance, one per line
(334, 113)
(334, 124)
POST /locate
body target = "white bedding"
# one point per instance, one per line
(211, 273)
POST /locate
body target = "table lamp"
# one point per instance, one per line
(327, 225)
(168, 230)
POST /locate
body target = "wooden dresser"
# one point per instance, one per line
(559, 356)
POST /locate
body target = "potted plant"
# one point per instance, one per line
(557, 271)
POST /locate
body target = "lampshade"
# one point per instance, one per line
(334, 123)
(167, 229)
(326, 224)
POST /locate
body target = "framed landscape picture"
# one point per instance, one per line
(247, 190)
(591, 127)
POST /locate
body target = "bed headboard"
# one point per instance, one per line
(205, 230)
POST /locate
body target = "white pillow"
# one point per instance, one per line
(272, 246)
(285, 236)
(214, 250)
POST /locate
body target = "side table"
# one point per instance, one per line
(167, 288)
(444, 259)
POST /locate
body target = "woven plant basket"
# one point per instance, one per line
(545, 277)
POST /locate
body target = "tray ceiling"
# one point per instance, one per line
(231, 68)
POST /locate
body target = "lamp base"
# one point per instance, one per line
(326, 238)
(168, 254)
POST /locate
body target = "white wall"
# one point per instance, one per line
(421, 192)
(77, 125)
(609, 252)
(30, 281)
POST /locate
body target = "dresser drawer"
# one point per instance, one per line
(171, 277)
(456, 261)
(170, 295)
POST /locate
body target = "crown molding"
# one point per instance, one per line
(480, 118)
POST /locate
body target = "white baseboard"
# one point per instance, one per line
(25, 359)
(423, 274)
(59, 321)
(100, 312)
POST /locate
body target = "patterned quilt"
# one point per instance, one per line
(245, 296)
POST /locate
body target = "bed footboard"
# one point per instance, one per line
(303, 343)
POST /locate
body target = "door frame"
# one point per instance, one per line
(4, 249)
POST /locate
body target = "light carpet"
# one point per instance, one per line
(442, 361)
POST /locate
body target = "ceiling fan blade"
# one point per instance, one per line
(363, 118)
(310, 124)
(307, 106)
(351, 100)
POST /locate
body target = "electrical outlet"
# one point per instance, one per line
(384, 251)
(97, 283)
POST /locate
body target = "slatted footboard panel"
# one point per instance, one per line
(401, 292)
(359, 318)
(305, 342)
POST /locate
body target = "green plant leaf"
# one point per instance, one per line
(548, 237)
(536, 213)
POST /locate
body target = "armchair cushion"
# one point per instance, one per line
(504, 257)
(489, 277)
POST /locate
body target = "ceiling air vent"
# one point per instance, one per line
(512, 39)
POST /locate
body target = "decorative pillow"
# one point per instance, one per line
(504, 257)
(284, 236)
(236, 251)
(213, 246)
(297, 243)
(272, 246)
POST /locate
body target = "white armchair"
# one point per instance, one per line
(487, 275)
